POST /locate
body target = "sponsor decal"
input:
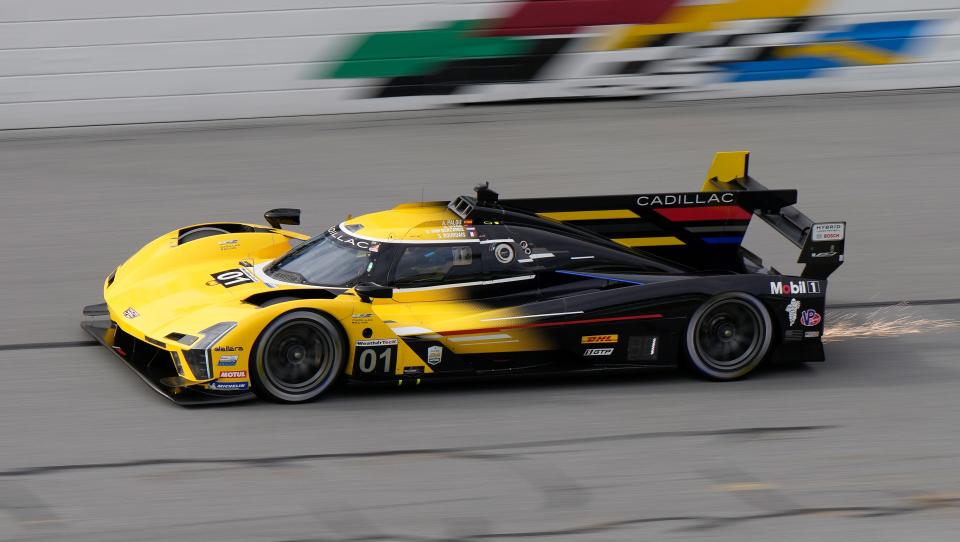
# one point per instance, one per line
(504, 253)
(227, 361)
(598, 339)
(228, 385)
(413, 370)
(130, 313)
(346, 239)
(828, 232)
(822, 254)
(698, 198)
(810, 318)
(232, 277)
(229, 245)
(233, 374)
(228, 349)
(811, 334)
(795, 288)
(361, 318)
(434, 355)
(377, 342)
(792, 309)
(598, 352)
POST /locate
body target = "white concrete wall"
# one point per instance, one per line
(95, 62)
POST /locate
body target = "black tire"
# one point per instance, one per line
(297, 357)
(200, 233)
(729, 336)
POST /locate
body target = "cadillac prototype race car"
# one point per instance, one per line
(478, 286)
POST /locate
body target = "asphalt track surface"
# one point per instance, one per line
(863, 447)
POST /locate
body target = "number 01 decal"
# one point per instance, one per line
(375, 357)
(232, 277)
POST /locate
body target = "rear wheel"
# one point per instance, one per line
(298, 357)
(728, 336)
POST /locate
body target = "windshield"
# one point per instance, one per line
(331, 259)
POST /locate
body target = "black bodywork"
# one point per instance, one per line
(643, 298)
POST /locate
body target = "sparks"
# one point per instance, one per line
(886, 322)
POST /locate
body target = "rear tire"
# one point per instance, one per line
(297, 358)
(729, 336)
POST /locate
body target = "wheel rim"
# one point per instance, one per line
(729, 335)
(298, 356)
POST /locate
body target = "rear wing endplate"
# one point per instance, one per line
(821, 244)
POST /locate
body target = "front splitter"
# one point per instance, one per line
(103, 332)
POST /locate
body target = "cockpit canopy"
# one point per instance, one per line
(426, 245)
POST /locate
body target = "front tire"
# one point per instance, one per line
(729, 336)
(298, 357)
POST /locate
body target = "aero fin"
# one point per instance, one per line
(726, 168)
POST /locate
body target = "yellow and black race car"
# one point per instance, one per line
(475, 287)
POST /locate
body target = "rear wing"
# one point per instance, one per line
(702, 230)
(821, 244)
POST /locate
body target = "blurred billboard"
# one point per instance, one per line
(66, 63)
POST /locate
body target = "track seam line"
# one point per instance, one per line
(284, 459)
(44, 346)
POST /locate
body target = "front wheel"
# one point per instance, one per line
(298, 357)
(728, 336)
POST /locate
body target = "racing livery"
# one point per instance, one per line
(478, 286)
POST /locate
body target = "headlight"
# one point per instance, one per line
(176, 363)
(198, 357)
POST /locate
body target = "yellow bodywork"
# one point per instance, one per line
(428, 221)
(726, 167)
(167, 288)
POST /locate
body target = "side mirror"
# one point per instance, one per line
(368, 290)
(282, 216)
